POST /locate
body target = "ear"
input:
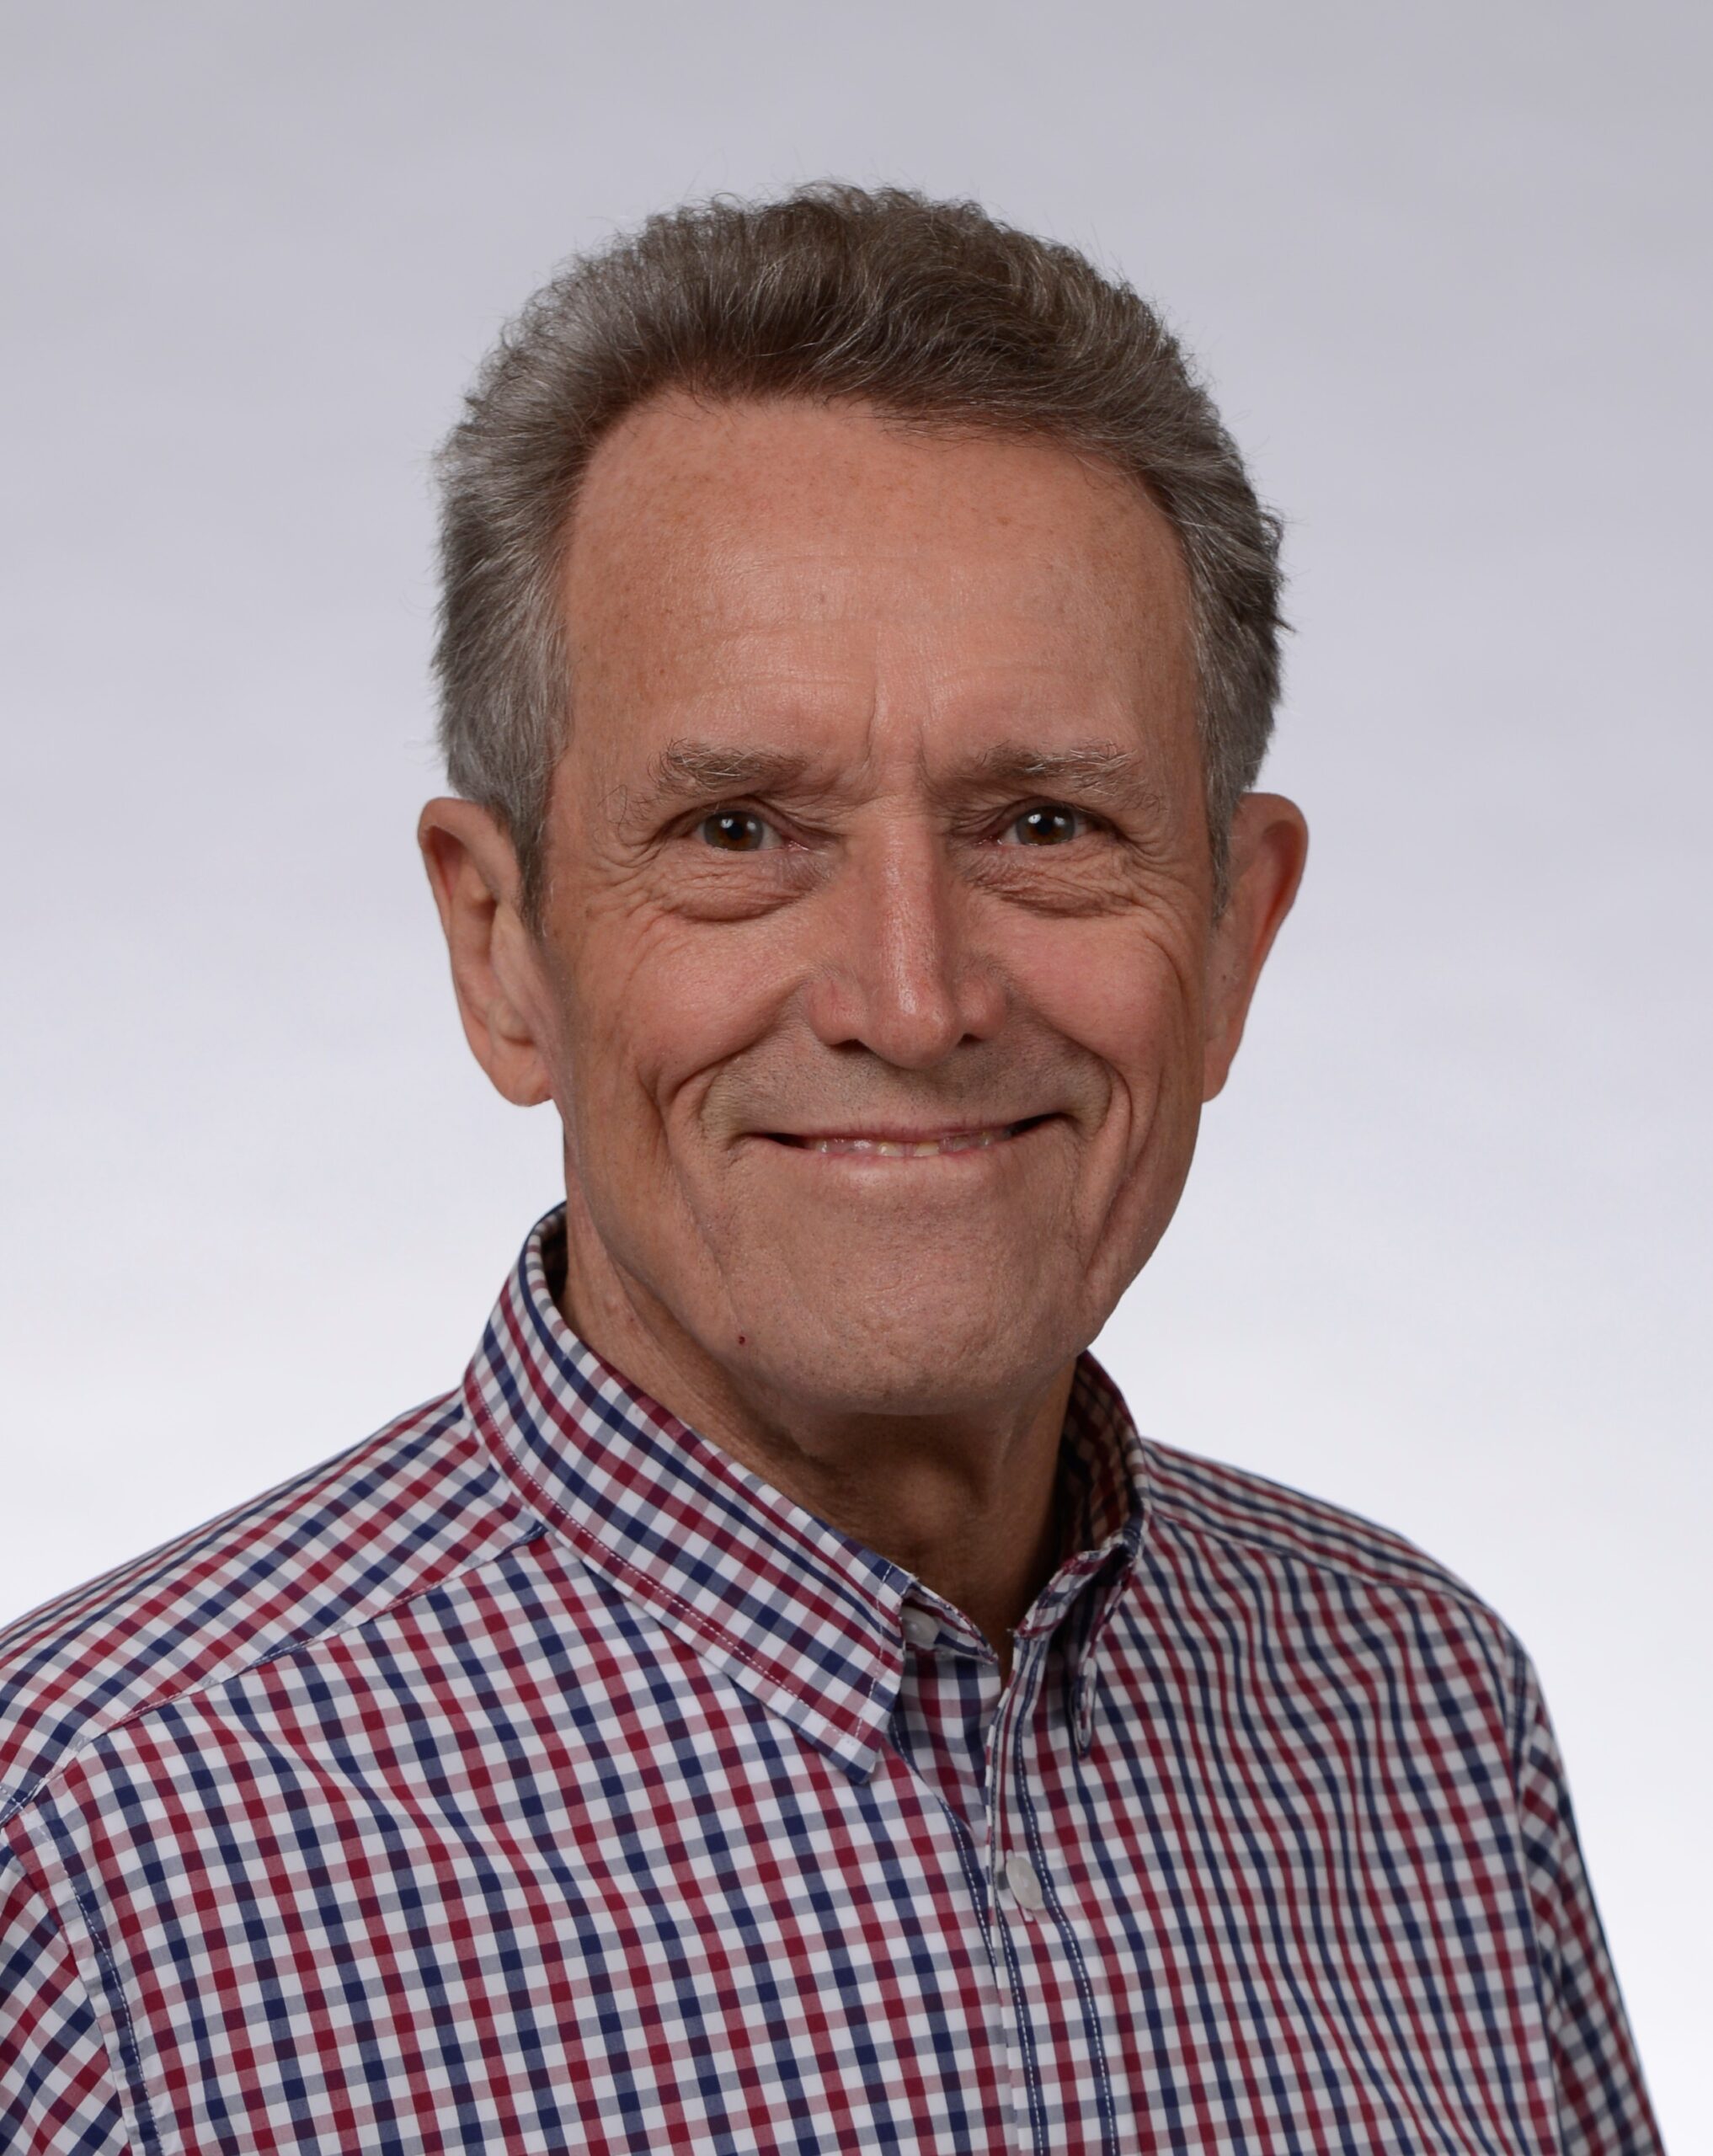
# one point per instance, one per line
(496, 973)
(1269, 846)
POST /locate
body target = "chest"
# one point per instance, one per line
(635, 1915)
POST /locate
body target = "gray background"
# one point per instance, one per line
(1444, 1254)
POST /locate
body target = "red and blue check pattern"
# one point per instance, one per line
(532, 1778)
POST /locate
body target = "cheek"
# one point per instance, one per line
(1131, 997)
(1129, 993)
(656, 1003)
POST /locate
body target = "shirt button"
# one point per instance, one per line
(919, 1629)
(1024, 1882)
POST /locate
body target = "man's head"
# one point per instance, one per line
(859, 638)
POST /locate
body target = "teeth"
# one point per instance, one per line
(888, 1149)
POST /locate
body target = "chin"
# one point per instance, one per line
(915, 1352)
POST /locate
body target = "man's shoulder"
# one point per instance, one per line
(1276, 1523)
(332, 1548)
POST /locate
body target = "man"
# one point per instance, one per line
(779, 1702)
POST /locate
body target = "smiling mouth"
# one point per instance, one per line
(880, 1145)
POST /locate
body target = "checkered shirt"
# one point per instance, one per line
(533, 1778)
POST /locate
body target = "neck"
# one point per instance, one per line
(963, 1501)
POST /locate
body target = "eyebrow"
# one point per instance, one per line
(697, 771)
(1101, 768)
(691, 770)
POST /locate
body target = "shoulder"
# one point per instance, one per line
(1338, 1588)
(1205, 1500)
(333, 1547)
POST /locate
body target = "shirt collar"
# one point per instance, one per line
(805, 1619)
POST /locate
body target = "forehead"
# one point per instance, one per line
(791, 551)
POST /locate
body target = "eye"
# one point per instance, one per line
(1050, 824)
(734, 830)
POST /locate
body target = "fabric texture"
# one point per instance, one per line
(533, 1778)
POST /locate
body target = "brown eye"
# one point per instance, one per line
(1051, 825)
(732, 830)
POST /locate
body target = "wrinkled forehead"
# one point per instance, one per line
(792, 565)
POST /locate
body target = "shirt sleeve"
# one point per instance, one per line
(1603, 2105)
(58, 2097)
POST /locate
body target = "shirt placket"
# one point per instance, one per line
(976, 1746)
(1062, 2091)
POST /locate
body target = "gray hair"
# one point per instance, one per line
(933, 313)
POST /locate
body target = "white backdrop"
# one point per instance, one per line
(1444, 1256)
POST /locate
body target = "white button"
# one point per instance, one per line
(919, 1629)
(1021, 1878)
(1084, 1730)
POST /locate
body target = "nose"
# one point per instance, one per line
(900, 975)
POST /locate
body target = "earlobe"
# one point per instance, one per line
(473, 873)
(1269, 846)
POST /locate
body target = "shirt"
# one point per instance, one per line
(535, 1777)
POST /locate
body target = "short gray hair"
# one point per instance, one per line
(933, 313)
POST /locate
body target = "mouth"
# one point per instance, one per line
(892, 1145)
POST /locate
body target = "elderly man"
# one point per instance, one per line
(778, 1702)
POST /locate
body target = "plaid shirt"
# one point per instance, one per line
(533, 1778)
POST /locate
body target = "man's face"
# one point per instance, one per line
(881, 985)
